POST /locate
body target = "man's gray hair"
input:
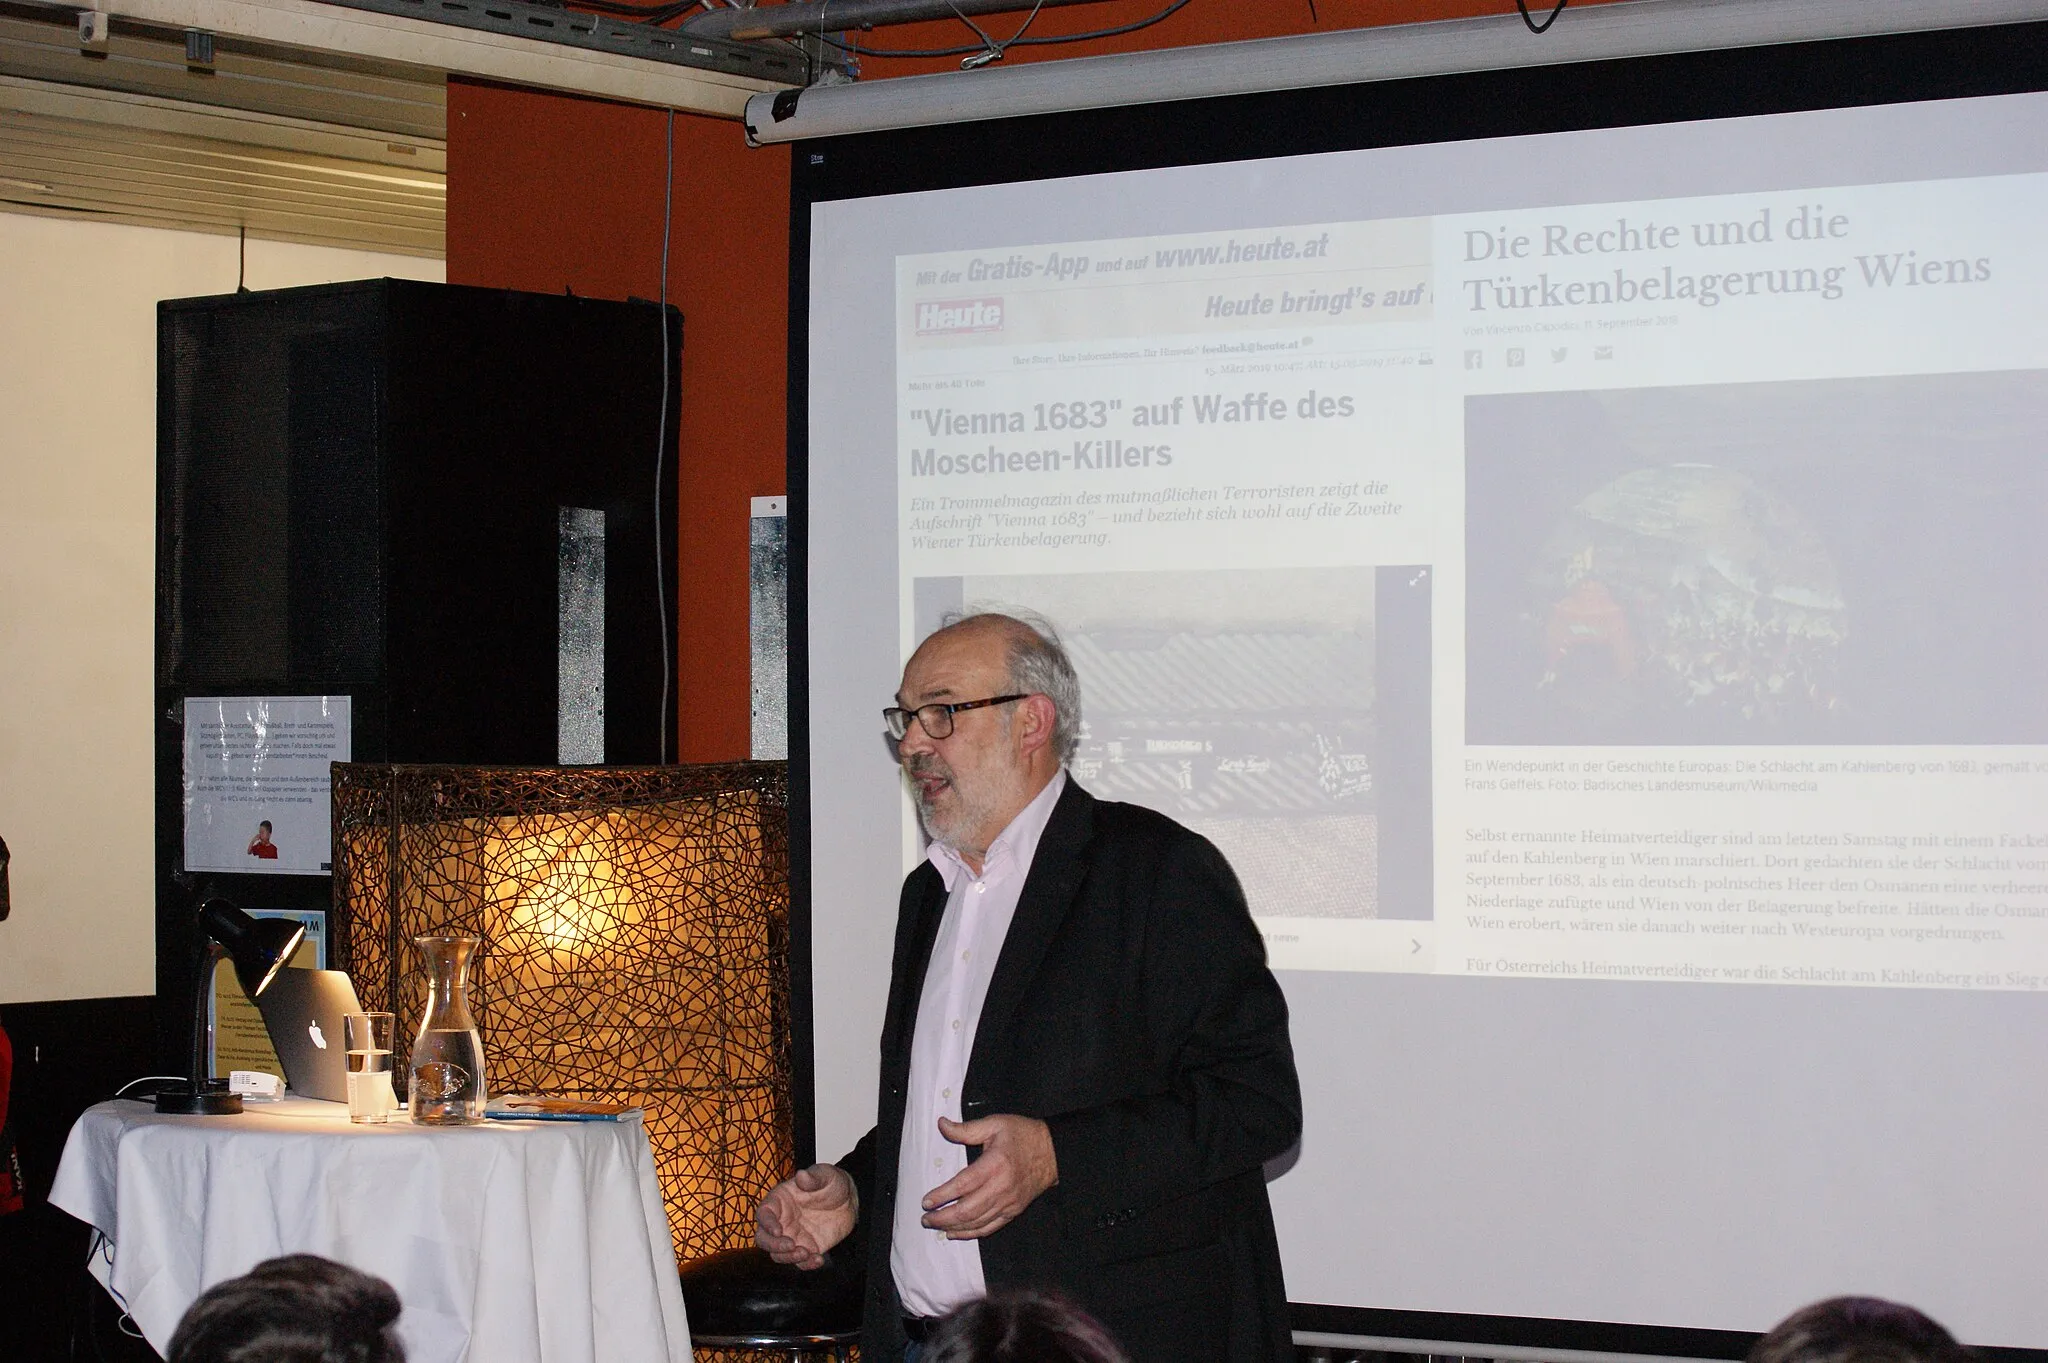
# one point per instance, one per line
(1038, 666)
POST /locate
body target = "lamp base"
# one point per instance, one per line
(210, 1099)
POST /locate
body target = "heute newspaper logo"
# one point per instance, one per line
(957, 315)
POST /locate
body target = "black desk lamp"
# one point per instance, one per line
(259, 947)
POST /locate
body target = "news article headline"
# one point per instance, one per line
(1637, 238)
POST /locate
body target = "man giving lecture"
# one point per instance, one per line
(1085, 1061)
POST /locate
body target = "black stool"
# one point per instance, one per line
(742, 1299)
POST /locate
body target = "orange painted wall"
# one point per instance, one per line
(548, 192)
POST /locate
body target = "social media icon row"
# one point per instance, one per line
(1517, 357)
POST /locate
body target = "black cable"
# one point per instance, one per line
(1046, 41)
(654, 14)
(659, 14)
(668, 207)
(1544, 27)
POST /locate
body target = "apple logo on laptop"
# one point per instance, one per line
(313, 1030)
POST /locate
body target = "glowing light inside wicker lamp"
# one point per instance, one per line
(635, 926)
(554, 882)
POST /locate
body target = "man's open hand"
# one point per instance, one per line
(803, 1216)
(1016, 1165)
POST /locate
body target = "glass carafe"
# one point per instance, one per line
(447, 1072)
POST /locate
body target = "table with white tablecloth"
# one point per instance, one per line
(508, 1242)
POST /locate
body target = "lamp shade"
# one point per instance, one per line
(259, 947)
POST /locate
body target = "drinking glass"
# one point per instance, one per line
(370, 1095)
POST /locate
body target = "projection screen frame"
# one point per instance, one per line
(1640, 91)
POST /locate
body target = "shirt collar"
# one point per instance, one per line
(1014, 847)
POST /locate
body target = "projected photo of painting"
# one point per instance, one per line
(1245, 704)
(1846, 561)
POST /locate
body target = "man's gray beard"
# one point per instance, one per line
(968, 813)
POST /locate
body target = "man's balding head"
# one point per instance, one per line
(1038, 665)
(972, 782)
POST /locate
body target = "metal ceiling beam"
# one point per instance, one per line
(489, 39)
(597, 33)
(405, 105)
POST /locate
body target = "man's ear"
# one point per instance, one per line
(1035, 718)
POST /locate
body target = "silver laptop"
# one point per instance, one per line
(302, 1010)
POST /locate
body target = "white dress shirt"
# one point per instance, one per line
(934, 1274)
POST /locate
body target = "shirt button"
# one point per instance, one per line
(966, 955)
(980, 888)
(946, 1093)
(956, 1024)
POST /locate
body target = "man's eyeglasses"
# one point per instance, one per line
(936, 719)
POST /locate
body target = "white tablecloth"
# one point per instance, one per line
(508, 1242)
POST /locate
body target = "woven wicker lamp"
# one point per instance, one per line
(635, 927)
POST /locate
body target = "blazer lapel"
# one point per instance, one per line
(1048, 894)
(917, 932)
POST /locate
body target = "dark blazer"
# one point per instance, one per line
(1132, 1011)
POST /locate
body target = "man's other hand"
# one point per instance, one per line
(802, 1217)
(1016, 1165)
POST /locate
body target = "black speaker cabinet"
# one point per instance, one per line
(455, 506)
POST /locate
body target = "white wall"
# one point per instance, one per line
(77, 545)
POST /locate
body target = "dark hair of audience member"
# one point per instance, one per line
(298, 1309)
(1858, 1330)
(1020, 1327)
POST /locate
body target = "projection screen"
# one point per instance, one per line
(1574, 540)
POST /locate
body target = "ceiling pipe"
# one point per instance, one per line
(795, 18)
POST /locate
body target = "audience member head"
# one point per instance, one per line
(298, 1309)
(1021, 1327)
(1858, 1330)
